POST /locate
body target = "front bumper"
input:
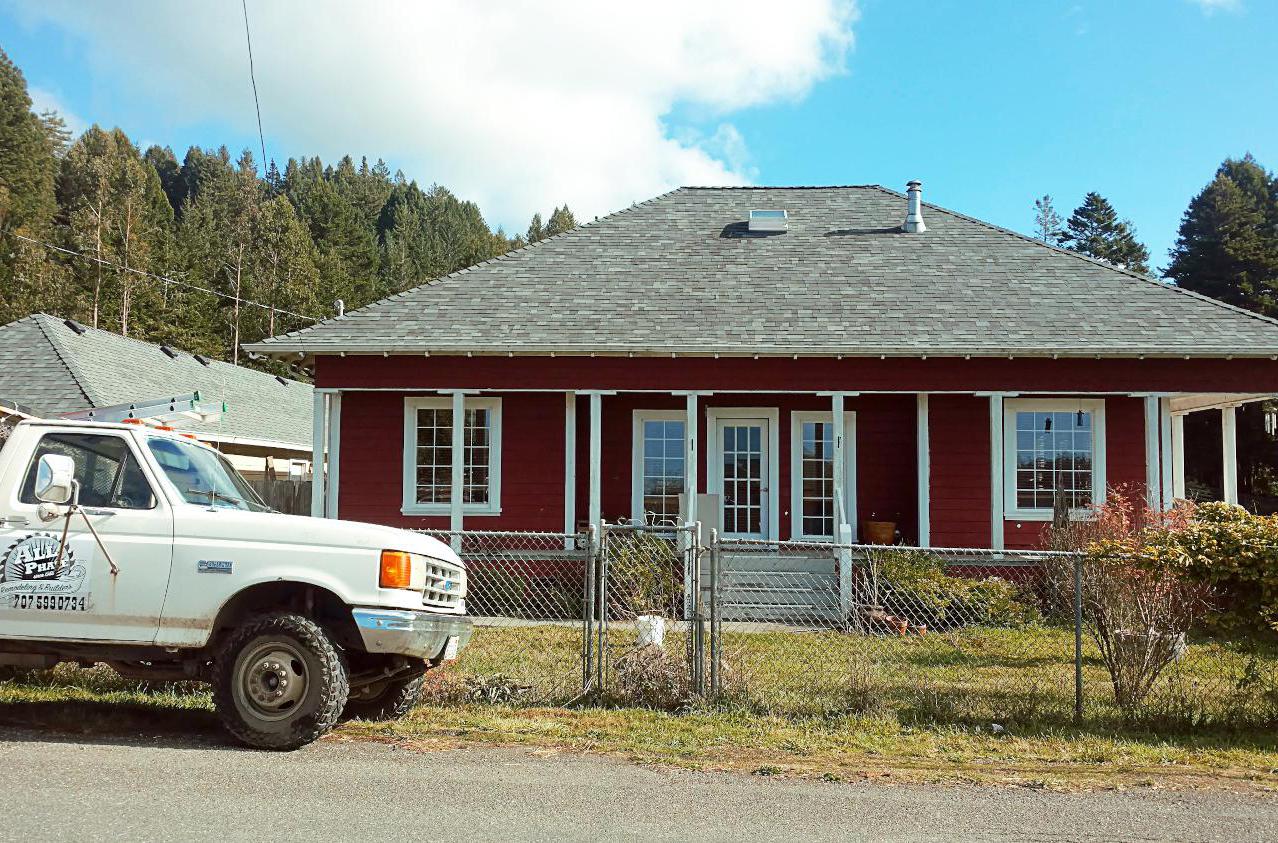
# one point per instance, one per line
(421, 635)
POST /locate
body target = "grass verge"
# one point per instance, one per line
(834, 748)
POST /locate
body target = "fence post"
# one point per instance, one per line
(844, 556)
(1078, 638)
(601, 591)
(714, 613)
(588, 612)
(692, 584)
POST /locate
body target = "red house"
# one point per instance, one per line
(807, 358)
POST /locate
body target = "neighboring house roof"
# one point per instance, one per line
(680, 274)
(48, 369)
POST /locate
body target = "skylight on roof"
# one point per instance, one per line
(769, 220)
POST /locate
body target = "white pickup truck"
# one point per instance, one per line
(142, 548)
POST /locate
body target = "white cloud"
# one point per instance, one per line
(1210, 7)
(520, 105)
(43, 100)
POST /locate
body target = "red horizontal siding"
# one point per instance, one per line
(532, 448)
(959, 435)
(533, 460)
(786, 374)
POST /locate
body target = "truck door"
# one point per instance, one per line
(75, 595)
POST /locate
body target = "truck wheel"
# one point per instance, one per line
(389, 701)
(279, 683)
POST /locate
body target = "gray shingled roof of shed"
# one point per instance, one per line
(678, 274)
(49, 369)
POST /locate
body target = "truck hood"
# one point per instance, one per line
(333, 532)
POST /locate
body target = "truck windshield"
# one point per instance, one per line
(202, 476)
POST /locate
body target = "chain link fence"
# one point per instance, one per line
(527, 593)
(658, 617)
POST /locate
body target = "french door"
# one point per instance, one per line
(742, 464)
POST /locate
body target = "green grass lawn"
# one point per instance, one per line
(822, 704)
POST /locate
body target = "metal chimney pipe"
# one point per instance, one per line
(914, 216)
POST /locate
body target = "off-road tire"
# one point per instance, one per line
(325, 691)
(396, 699)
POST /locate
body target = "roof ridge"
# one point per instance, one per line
(67, 359)
(456, 272)
(778, 187)
(1268, 320)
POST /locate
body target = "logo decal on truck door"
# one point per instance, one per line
(34, 577)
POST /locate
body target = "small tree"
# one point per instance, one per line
(1048, 225)
(1139, 600)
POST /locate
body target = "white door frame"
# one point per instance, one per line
(714, 458)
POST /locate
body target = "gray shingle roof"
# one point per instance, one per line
(678, 274)
(48, 367)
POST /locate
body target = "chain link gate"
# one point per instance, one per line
(646, 621)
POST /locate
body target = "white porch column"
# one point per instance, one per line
(596, 456)
(996, 472)
(1229, 452)
(840, 463)
(1153, 474)
(319, 412)
(691, 448)
(334, 453)
(570, 466)
(1178, 455)
(923, 443)
(459, 464)
(1166, 451)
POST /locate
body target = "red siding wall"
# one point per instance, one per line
(533, 457)
(959, 432)
(786, 374)
(371, 483)
(533, 429)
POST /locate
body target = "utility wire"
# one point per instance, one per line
(163, 278)
(253, 78)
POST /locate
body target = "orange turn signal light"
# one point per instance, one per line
(397, 569)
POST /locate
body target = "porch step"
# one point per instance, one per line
(808, 564)
(768, 613)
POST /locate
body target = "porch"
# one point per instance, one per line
(944, 468)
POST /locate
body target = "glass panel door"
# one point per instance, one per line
(743, 460)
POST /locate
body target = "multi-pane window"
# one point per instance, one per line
(1053, 450)
(742, 447)
(660, 469)
(430, 481)
(816, 490)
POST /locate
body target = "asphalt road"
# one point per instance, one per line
(63, 788)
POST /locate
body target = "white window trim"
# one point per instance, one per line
(714, 458)
(1012, 406)
(409, 504)
(797, 420)
(637, 514)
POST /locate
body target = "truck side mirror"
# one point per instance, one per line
(55, 478)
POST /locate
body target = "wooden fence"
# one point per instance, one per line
(286, 495)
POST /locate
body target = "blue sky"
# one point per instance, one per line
(990, 104)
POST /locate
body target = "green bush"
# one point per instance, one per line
(915, 586)
(1236, 553)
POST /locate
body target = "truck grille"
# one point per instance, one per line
(445, 586)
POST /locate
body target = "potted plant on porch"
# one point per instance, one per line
(875, 531)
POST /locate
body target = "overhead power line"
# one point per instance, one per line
(253, 78)
(163, 278)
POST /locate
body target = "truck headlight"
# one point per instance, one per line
(396, 569)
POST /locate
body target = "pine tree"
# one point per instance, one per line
(1095, 230)
(561, 220)
(117, 214)
(1227, 247)
(30, 279)
(536, 231)
(1048, 225)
